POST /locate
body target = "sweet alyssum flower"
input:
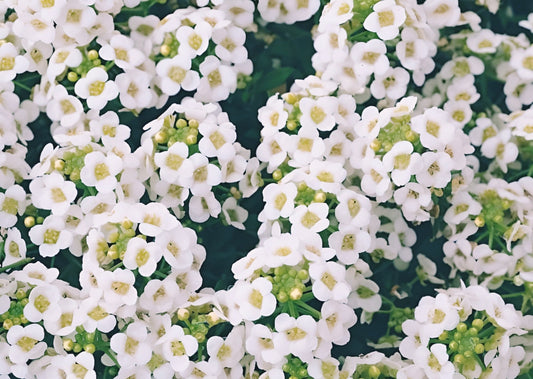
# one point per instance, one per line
(96, 88)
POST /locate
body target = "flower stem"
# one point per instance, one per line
(22, 262)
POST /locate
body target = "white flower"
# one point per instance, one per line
(93, 313)
(121, 50)
(435, 128)
(178, 347)
(326, 176)
(435, 170)
(335, 322)
(312, 217)
(176, 73)
(273, 149)
(64, 108)
(370, 57)
(51, 236)
(14, 247)
(318, 113)
(255, 299)
(217, 140)
(272, 116)
(412, 50)
(204, 176)
(329, 281)
(230, 44)
(442, 13)
(53, 192)
(375, 181)
(463, 88)
(174, 167)
(484, 41)
(100, 171)
(518, 92)
(414, 339)
(159, 296)
(25, 343)
(365, 292)
(386, 19)
(234, 214)
(43, 304)
(279, 200)
(282, 250)
(434, 361)
(463, 205)
(391, 84)
(176, 245)
(155, 218)
(96, 88)
(63, 324)
(12, 202)
(401, 162)
(131, 347)
(11, 63)
(118, 287)
(437, 314)
(353, 209)
(133, 87)
(348, 242)
(226, 352)
(201, 207)
(142, 255)
(33, 28)
(330, 44)
(305, 147)
(296, 336)
(193, 42)
(501, 148)
(259, 343)
(217, 82)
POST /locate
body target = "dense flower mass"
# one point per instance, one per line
(266, 189)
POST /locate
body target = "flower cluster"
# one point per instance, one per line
(399, 168)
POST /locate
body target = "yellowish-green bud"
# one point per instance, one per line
(291, 125)
(295, 294)
(77, 348)
(72, 76)
(68, 344)
(375, 145)
(191, 139)
(29, 221)
(90, 348)
(213, 318)
(181, 123)
(319, 197)
(59, 164)
(7, 324)
(92, 55)
(291, 98)
(161, 137)
(193, 124)
(165, 50)
(479, 221)
(374, 371)
(183, 314)
(277, 175)
(127, 224)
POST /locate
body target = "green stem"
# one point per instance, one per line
(22, 262)
(309, 309)
(292, 309)
(23, 86)
(118, 265)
